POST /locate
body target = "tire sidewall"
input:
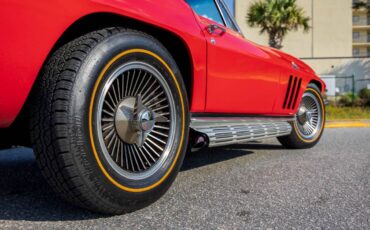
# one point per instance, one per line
(85, 83)
(297, 138)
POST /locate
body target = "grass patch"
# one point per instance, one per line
(343, 113)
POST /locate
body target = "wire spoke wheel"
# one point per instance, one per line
(135, 122)
(309, 117)
(128, 120)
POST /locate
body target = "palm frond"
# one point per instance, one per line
(277, 17)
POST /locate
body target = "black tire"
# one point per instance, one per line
(64, 131)
(296, 140)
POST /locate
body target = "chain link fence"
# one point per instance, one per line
(346, 90)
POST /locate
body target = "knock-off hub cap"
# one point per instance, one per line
(146, 120)
(133, 121)
(123, 120)
(304, 116)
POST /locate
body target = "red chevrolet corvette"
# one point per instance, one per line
(116, 91)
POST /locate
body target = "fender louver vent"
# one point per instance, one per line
(292, 92)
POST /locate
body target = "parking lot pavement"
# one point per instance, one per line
(256, 185)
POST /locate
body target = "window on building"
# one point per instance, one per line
(207, 9)
(356, 52)
(356, 36)
(368, 52)
(355, 19)
(368, 36)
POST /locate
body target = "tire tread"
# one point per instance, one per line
(52, 130)
(49, 126)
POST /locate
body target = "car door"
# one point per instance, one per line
(240, 76)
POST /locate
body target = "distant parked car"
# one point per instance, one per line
(115, 92)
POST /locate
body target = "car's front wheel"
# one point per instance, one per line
(110, 120)
(308, 126)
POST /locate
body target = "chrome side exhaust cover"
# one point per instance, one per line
(223, 131)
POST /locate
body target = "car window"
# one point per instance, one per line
(207, 9)
(226, 16)
(230, 4)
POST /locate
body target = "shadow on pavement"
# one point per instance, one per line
(219, 154)
(25, 195)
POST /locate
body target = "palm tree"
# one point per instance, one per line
(359, 5)
(277, 18)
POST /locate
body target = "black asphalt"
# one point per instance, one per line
(252, 186)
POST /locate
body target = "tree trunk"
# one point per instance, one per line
(275, 40)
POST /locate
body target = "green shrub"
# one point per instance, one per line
(364, 95)
(346, 100)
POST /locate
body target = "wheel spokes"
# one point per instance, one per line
(309, 116)
(139, 96)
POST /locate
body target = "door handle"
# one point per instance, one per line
(215, 29)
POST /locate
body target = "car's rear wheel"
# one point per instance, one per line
(110, 120)
(308, 126)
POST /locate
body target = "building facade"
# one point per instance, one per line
(338, 44)
(361, 29)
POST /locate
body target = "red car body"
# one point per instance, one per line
(232, 76)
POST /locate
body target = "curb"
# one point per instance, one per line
(348, 124)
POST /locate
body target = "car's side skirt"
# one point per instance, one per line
(234, 130)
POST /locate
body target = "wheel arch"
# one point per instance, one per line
(318, 84)
(177, 47)
(95, 21)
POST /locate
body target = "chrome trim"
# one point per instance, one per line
(220, 11)
(235, 24)
(295, 66)
(226, 131)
